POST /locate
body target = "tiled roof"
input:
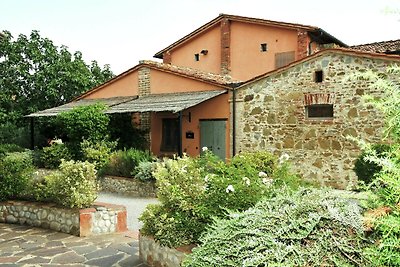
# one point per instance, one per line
(218, 19)
(387, 47)
(110, 102)
(194, 73)
(173, 102)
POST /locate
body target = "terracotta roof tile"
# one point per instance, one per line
(194, 73)
(387, 47)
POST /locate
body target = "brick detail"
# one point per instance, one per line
(302, 44)
(145, 124)
(144, 81)
(85, 221)
(121, 221)
(167, 58)
(225, 47)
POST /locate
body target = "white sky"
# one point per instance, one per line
(122, 32)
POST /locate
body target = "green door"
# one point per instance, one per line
(213, 136)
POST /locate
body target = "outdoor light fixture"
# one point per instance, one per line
(204, 51)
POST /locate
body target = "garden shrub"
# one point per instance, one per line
(304, 228)
(121, 129)
(366, 170)
(145, 171)
(74, 185)
(7, 148)
(98, 152)
(83, 123)
(16, 171)
(124, 163)
(193, 191)
(52, 155)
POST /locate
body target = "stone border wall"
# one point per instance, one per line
(153, 254)
(128, 186)
(99, 219)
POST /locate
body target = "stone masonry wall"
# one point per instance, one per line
(101, 218)
(128, 186)
(271, 116)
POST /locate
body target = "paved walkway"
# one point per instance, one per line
(27, 246)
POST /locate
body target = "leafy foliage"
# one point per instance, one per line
(306, 228)
(75, 185)
(145, 171)
(125, 162)
(83, 123)
(193, 191)
(98, 152)
(7, 148)
(51, 156)
(366, 170)
(16, 170)
(37, 75)
(121, 129)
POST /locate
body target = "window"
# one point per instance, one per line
(283, 59)
(319, 76)
(196, 57)
(263, 47)
(170, 135)
(319, 111)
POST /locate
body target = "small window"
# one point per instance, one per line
(196, 57)
(170, 135)
(319, 111)
(319, 76)
(263, 47)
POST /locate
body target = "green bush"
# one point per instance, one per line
(366, 170)
(83, 123)
(75, 185)
(121, 129)
(7, 148)
(145, 171)
(52, 155)
(305, 228)
(98, 152)
(16, 170)
(124, 163)
(194, 191)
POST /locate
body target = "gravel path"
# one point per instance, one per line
(134, 206)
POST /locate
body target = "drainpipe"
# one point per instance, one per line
(233, 121)
(32, 133)
(180, 134)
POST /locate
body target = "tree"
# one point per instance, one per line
(35, 75)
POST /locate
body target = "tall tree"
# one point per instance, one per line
(35, 75)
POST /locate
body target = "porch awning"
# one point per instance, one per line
(173, 102)
(110, 102)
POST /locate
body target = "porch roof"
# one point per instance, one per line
(110, 102)
(172, 102)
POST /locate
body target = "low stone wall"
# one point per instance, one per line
(101, 218)
(127, 186)
(153, 254)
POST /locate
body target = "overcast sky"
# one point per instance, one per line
(122, 32)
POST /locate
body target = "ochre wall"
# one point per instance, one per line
(216, 108)
(164, 82)
(271, 116)
(209, 40)
(125, 86)
(247, 61)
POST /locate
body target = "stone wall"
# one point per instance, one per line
(271, 115)
(153, 254)
(101, 218)
(128, 186)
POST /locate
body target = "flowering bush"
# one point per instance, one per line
(193, 191)
(74, 186)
